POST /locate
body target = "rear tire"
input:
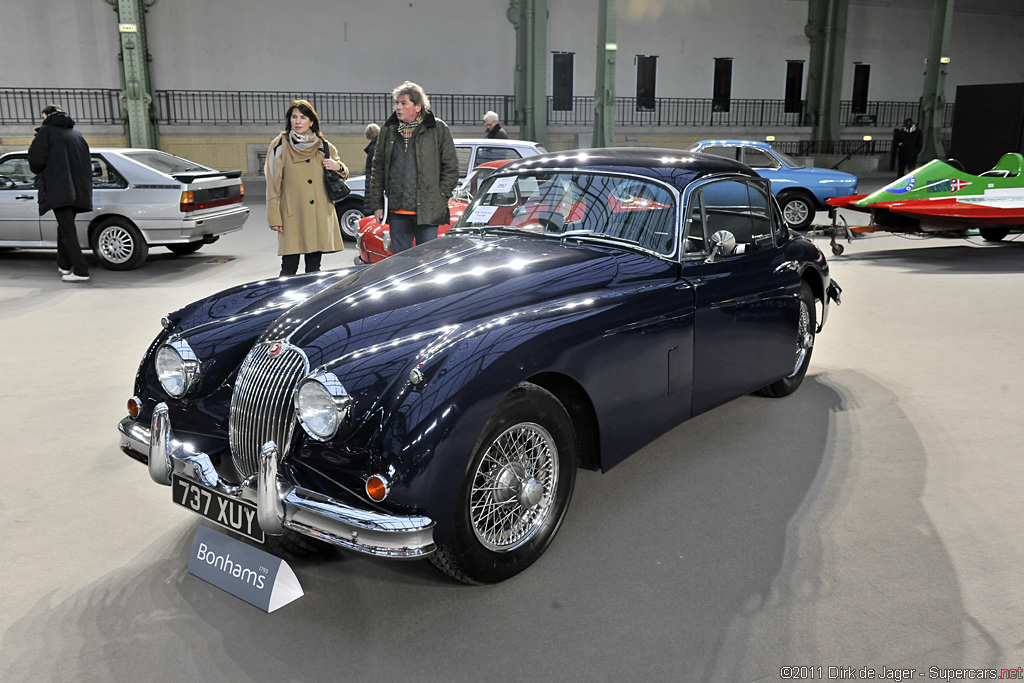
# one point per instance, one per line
(797, 209)
(517, 489)
(806, 326)
(993, 234)
(118, 244)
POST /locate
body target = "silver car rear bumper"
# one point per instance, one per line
(280, 504)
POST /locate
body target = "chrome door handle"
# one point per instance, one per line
(787, 265)
(24, 196)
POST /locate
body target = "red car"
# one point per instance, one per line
(374, 240)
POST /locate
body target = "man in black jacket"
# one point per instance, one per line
(494, 129)
(908, 144)
(59, 156)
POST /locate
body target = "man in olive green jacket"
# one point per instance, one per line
(416, 166)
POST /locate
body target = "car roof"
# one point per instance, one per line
(673, 166)
(735, 142)
(495, 142)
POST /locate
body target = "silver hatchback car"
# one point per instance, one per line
(141, 198)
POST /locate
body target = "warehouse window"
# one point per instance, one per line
(722, 92)
(646, 79)
(561, 80)
(794, 86)
(861, 76)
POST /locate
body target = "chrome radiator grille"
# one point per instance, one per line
(261, 405)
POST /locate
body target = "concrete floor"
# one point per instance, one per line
(873, 519)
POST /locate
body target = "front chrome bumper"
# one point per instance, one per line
(280, 505)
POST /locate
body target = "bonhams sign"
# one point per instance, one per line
(245, 571)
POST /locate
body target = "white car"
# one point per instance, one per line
(141, 198)
(471, 151)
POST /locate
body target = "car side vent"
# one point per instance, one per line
(261, 405)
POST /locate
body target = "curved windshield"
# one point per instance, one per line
(578, 204)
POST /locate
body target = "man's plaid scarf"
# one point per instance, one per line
(407, 129)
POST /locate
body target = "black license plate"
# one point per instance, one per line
(230, 513)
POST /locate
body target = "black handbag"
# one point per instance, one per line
(335, 185)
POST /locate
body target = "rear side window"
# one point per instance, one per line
(727, 152)
(165, 163)
(484, 154)
(104, 177)
(464, 154)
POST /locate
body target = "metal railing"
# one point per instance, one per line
(696, 112)
(86, 105)
(233, 108)
(221, 108)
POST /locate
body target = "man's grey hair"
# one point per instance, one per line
(372, 131)
(490, 116)
(415, 94)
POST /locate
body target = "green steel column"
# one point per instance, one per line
(826, 29)
(817, 12)
(539, 71)
(517, 16)
(838, 15)
(604, 89)
(934, 98)
(137, 96)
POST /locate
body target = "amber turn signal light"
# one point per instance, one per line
(134, 407)
(377, 488)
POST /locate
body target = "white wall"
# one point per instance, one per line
(468, 46)
(54, 44)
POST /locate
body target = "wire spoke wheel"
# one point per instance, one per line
(513, 487)
(516, 490)
(804, 336)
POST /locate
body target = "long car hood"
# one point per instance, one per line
(425, 291)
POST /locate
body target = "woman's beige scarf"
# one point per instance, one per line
(285, 149)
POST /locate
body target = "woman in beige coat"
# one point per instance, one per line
(298, 208)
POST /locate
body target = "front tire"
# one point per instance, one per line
(806, 326)
(350, 212)
(516, 491)
(118, 244)
(797, 209)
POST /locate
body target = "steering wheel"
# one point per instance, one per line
(7, 182)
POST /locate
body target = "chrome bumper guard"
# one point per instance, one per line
(279, 504)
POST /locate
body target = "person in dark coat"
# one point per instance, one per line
(908, 145)
(59, 156)
(372, 131)
(494, 129)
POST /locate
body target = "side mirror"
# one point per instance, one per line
(723, 243)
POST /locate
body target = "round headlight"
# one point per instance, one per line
(321, 403)
(176, 367)
(170, 369)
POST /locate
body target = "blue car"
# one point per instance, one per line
(801, 190)
(439, 403)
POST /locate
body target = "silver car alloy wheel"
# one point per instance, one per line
(513, 487)
(804, 336)
(350, 222)
(116, 244)
(796, 211)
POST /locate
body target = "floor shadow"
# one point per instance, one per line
(946, 256)
(707, 556)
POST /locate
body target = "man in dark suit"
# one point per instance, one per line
(908, 144)
(59, 156)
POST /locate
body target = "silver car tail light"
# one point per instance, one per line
(262, 409)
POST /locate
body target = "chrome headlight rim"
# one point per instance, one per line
(335, 394)
(189, 366)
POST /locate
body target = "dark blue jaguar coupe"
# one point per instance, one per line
(438, 404)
